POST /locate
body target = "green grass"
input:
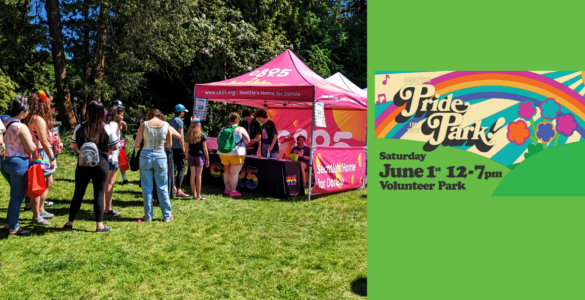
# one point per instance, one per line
(256, 247)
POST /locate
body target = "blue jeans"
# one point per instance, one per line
(15, 170)
(154, 169)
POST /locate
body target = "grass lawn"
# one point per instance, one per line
(252, 248)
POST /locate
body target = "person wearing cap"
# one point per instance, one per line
(178, 149)
(123, 127)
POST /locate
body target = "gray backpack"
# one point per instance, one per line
(89, 155)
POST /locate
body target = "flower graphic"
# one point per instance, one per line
(545, 132)
(566, 124)
(527, 110)
(550, 109)
(518, 132)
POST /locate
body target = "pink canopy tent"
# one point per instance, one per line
(286, 84)
(283, 81)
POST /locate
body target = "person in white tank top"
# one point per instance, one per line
(234, 160)
(153, 163)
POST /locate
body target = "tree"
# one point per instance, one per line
(59, 63)
(7, 92)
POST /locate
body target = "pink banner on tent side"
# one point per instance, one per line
(345, 127)
(338, 169)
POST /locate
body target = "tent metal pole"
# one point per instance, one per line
(312, 144)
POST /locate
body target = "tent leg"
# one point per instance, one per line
(312, 147)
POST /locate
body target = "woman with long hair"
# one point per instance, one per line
(197, 156)
(234, 160)
(92, 130)
(114, 121)
(154, 163)
(15, 162)
(40, 123)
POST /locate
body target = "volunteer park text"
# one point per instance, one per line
(429, 172)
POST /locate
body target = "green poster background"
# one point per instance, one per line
(469, 244)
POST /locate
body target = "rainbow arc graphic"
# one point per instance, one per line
(492, 95)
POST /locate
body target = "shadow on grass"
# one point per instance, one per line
(360, 286)
(38, 230)
(65, 179)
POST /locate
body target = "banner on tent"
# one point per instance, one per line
(345, 127)
(338, 169)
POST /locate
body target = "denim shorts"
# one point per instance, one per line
(112, 166)
(44, 155)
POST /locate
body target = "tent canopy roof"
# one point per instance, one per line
(284, 81)
(341, 81)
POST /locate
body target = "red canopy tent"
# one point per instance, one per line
(286, 84)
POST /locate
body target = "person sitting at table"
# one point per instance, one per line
(234, 160)
(304, 153)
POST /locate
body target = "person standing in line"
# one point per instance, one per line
(253, 129)
(269, 135)
(93, 130)
(123, 127)
(40, 123)
(170, 172)
(197, 157)
(153, 163)
(113, 120)
(179, 149)
(234, 160)
(15, 162)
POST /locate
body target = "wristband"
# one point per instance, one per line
(51, 158)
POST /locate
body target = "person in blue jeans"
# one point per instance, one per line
(153, 163)
(15, 162)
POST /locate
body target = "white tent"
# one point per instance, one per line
(341, 81)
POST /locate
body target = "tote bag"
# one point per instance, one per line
(135, 160)
(36, 178)
(123, 161)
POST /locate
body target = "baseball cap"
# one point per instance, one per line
(180, 108)
(118, 103)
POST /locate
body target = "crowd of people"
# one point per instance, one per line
(28, 138)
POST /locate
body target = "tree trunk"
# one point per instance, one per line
(59, 63)
(87, 56)
(100, 49)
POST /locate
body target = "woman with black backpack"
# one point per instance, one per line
(95, 141)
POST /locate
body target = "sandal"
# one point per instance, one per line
(113, 213)
(182, 194)
(20, 231)
(46, 215)
(202, 198)
(40, 221)
(68, 227)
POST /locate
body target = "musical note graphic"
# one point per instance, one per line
(381, 98)
(386, 80)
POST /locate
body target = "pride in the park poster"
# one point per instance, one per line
(521, 131)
